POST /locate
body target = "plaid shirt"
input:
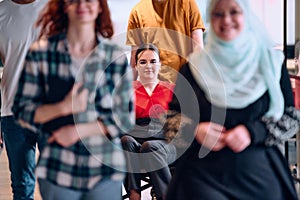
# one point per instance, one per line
(108, 78)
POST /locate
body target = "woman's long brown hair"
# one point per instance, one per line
(53, 19)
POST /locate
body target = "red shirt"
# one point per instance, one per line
(152, 106)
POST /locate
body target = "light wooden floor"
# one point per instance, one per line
(5, 189)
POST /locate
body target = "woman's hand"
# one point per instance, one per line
(238, 138)
(70, 134)
(76, 100)
(210, 135)
(65, 136)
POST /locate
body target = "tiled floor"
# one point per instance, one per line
(5, 189)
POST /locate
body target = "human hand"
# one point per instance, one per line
(238, 138)
(76, 100)
(65, 136)
(210, 135)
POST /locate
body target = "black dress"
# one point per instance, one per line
(257, 173)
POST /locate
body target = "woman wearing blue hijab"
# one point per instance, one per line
(237, 79)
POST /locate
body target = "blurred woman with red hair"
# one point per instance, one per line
(75, 90)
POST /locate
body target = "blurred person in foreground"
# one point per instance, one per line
(75, 92)
(17, 33)
(238, 79)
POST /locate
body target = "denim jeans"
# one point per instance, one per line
(106, 189)
(20, 146)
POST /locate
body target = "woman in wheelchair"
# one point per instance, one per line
(145, 146)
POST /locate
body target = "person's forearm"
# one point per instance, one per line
(197, 37)
(48, 112)
(89, 129)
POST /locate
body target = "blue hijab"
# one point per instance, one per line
(234, 74)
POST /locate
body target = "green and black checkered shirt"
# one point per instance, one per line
(47, 78)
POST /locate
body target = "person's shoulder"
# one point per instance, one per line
(185, 71)
(112, 51)
(136, 84)
(168, 85)
(108, 43)
(190, 5)
(189, 1)
(141, 6)
(185, 67)
(37, 51)
(6, 2)
(44, 43)
(39, 45)
(4, 5)
(41, 4)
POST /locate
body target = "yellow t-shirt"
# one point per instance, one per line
(171, 33)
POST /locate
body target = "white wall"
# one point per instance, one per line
(202, 4)
(291, 22)
(120, 10)
(269, 11)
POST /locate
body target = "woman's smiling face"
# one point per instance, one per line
(227, 19)
(148, 65)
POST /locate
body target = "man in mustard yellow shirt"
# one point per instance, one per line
(175, 26)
